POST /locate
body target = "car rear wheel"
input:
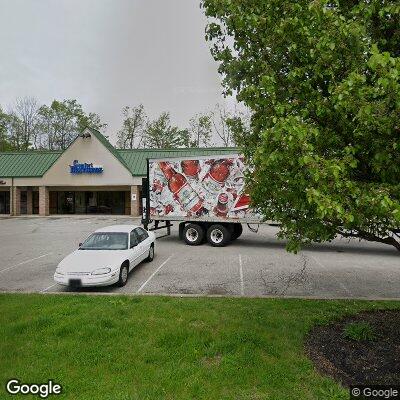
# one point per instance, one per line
(218, 235)
(193, 234)
(150, 257)
(123, 275)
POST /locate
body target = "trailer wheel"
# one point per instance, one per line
(218, 235)
(193, 234)
(237, 231)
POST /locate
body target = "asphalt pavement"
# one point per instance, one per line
(257, 264)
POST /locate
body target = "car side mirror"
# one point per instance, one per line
(80, 244)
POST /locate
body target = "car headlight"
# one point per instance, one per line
(101, 271)
(59, 272)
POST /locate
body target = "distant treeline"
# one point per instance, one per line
(29, 125)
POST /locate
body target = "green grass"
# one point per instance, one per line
(359, 331)
(108, 347)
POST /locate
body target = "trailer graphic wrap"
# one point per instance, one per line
(201, 188)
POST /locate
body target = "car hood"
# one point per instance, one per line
(89, 260)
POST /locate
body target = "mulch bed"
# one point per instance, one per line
(358, 362)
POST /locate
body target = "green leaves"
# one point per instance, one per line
(379, 59)
(322, 80)
(62, 121)
(160, 134)
(134, 121)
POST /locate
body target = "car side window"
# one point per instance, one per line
(134, 240)
(142, 234)
(139, 232)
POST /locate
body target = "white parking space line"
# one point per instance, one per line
(334, 277)
(154, 273)
(45, 290)
(25, 262)
(241, 275)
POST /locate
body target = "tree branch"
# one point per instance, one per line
(371, 238)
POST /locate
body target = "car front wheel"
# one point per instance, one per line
(150, 257)
(123, 275)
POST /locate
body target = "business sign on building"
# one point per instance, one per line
(85, 168)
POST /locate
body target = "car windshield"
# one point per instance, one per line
(106, 241)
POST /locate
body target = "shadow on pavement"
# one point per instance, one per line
(265, 243)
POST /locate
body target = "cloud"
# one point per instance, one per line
(108, 54)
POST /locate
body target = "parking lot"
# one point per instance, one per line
(257, 264)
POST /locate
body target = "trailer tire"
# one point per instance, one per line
(218, 235)
(193, 234)
(237, 231)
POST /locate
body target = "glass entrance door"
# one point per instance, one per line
(35, 202)
(24, 202)
(80, 203)
(66, 203)
(91, 202)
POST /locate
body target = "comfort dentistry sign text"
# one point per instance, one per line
(85, 168)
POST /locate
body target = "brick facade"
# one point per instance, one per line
(16, 201)
(43, 200)
(135, 204)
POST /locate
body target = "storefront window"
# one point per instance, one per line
(5, 202)
(101, 202)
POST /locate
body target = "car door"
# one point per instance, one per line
(135, 251)
(146, 241)
(143, 248)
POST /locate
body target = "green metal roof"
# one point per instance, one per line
(136, 159)
(36, 163)
(26, 164)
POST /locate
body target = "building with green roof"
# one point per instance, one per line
(90, 177)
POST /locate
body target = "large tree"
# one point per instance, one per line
(160, 134)
(133, 124)
(62, 121)
(5, 144)
(200, 130)
(220, 117)
(322, 81)
(23, 123)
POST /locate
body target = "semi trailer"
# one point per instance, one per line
(205, 195)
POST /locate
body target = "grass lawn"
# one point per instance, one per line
(115, 347)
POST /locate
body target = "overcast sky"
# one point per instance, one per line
(108, 54)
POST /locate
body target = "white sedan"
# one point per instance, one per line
(106, 257)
